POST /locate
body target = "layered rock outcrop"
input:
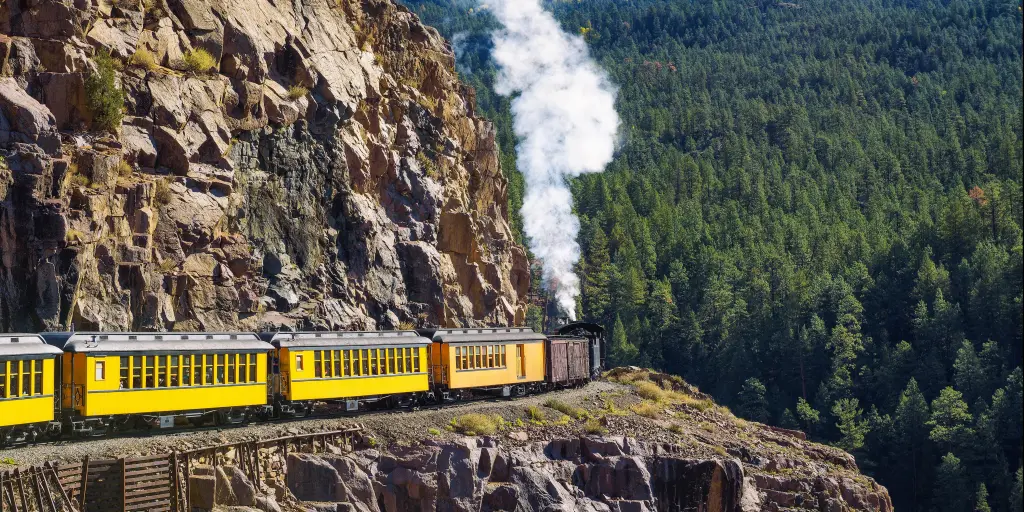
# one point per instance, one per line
(327, 172)
(595, 474)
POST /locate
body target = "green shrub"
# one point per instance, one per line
(199, 61)
(104, 98)
(534, 413)
(297, 91)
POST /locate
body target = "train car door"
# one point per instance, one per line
(520, 362)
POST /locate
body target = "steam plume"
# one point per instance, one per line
(566, 123)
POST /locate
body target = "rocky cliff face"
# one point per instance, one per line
(328, 171)
(590, 473)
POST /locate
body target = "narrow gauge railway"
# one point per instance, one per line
(86, 384)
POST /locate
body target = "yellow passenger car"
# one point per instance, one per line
(509, 359)
(154, 378)
(26, 387)
(355, 367)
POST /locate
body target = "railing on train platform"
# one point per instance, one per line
(157, 483)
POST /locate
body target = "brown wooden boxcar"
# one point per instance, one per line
(568, 360)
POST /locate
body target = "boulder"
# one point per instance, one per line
(28, 120)
(312, 478)
(118, 36)
(202, 491)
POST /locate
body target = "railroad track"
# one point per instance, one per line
(141, 433)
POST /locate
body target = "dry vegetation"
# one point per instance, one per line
(474, 424)
(143, 58)
(199, 61)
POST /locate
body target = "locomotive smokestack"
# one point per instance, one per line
(566, 123)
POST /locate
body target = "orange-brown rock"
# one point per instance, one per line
(328, 172)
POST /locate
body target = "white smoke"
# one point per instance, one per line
(566, 123)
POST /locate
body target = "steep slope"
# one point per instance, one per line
(637, 441)
(326, 171)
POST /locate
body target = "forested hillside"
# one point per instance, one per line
(815, 216)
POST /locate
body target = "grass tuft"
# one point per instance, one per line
(297, 91)
(474, 424)
(199, 61)
(649, 391)
(143, 58)
(162, 192)
(647, 409)
(578, 413)
(593, 427)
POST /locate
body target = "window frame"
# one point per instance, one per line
(99, 370)
(186, 370)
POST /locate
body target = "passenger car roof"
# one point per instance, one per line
(343, 339)
(25, 346)
(157, 342)
(494, 335)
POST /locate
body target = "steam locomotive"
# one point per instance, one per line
(95, 383)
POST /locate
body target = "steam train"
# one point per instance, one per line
(94, 383)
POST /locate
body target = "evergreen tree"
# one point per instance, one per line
(911, 425)
(622, 352)
(1017, 492)
(596, 298)
(789, 420)
(950, 490)
(968, 373)
(981, 501)
(850, 423)
(752, 402)
(951, 420)
(809, 417)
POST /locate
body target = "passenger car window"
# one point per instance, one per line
(125, 372)
(101, 370)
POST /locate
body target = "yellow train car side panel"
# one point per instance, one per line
(353, 387)
(22, 411)
(36, 408)
(531, 368)
(102, 403)
(298, 366)
(106, 396)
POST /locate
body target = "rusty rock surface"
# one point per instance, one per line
(329, 173)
